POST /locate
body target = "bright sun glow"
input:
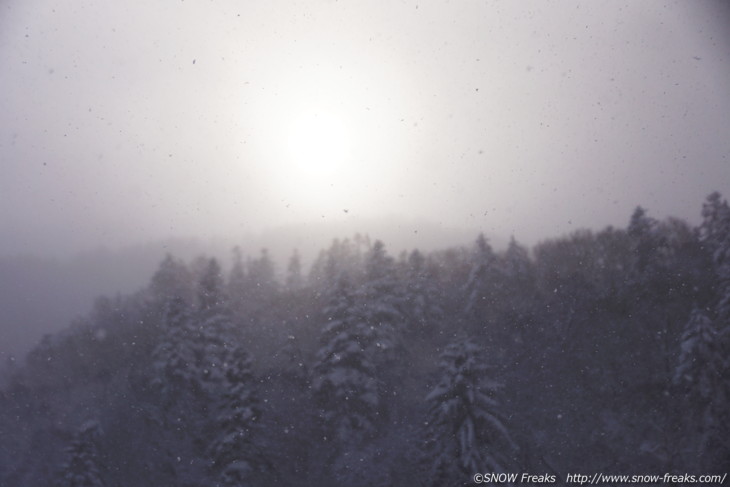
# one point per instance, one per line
(318, 146)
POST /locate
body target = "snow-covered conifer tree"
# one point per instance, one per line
(700, 373)
(237, 285)
(216, 338)
(82, 467)
(344, 376)
(715, 228)
(715, 236)
(262, 277)
(380, 301)
(294, 272)
(642, 231)
(341, 257)
(483, 281)
(516, 263)
(171, 280)
(422, 304)
(214, 335)
(211, 294)
(174, 358)
(234, 456)
(466, 432)
(714, 233)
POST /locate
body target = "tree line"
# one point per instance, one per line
(597, 351)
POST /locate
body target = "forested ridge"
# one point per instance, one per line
(598, 351)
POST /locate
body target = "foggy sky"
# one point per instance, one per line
(123, 122)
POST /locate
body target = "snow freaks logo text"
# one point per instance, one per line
(523, 478)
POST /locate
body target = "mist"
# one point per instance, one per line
(127, 123)
(45, 293)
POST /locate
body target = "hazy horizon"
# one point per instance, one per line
(128, 123)
(46, 293)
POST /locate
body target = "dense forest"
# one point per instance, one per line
(598, 351)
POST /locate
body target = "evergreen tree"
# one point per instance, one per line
(483, 281)
(380, 301)
(216, 339)
(211, 293)
(516, 264)
(237, 283)
(613, 258)
(341, 257)
(466, 433)
(213, 334)
(715, 237)
(261, 289)
(422, 304)
(294, 273)
(701, 374)
(174, 357)
(171, 280)
(261, 275)
(82, 468)
(179, 380)
(518, 281)
(715, 227)
(235, 459)
(641, 230)
(344, 380)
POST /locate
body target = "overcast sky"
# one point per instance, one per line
(127, 121)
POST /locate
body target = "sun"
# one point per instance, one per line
(318, 145)
(313, 157)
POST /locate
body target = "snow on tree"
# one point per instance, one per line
(516, 263)
(517, 285)
(294, 367)
(715, 227)
(211, 332)
(343, 256)
(294, 272)
(261, 275)
(199, 367)
(641, 229)
(174, 356)
(380, 300)
(233, 453)
(484, 279)
(381, 303)
(466, 432)
(700, 373)
(422, 303)
(216, 338)
(344, 380)
(82, 469)
(172, 280)
(237, 283)
(257, 295)
(650, 243)
(517, 276)
(715, 236)
(211, 293)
